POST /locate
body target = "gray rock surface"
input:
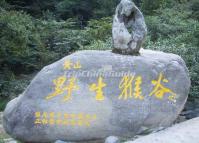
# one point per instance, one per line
(1, 122)
(112, 139)
(185, 132)
(128, 16)
(59, 141)
(91, 114)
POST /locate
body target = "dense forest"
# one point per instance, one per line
(35, 33)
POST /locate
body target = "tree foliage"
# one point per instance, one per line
(19, 41)
(195, 9)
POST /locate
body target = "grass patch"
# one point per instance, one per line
(3, 103)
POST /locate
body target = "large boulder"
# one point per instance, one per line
(95, 94)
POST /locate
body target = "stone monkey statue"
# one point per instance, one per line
(128, 17)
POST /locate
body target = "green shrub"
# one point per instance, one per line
(4, 5)
(99, 29)
(173, 22)
(24, 49)
(20, 42)
(196, 34)
(62, 38)
(99, 45)
(3, 104)
(12, 85)
(195, 9)
(149, 7)
(28, 44)
(84, 10)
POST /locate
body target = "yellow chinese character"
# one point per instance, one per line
(58, 115)
(44, 121)
(37, 114)
(138, 91)
(87, 123)
(77, 65)
(80, 116)
(45, 115)
(88, 116)
(126, 87)
(59, 82)
(87, 120)
(73, 122)
(70, 87)
(58, 121)
(66, 116)
(51, 121)
(159, 90)
(80, 122)
(98, 88)
(94, 117)
(67, 65)
(72, 116)
(38, 121)
(60, 88)
(65, 122)
(52, 114)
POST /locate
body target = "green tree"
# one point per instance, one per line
(33, 7)
(20, 42)
(195, 9)
(149, 7)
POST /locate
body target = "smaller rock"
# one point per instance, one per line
(112, 139)
(128, 16)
